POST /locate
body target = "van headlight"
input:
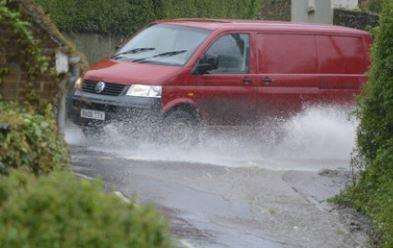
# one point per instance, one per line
(78, 84)
(144, 91)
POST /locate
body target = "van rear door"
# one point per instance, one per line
(287, 68)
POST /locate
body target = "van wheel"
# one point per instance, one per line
(180, 128)
(92, 132)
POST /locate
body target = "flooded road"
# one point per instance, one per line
(237, 190)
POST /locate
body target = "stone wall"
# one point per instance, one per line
(355, 19)
(345, 4)
(281, 10)
(95, 46)
(15, 84)
(276, 10)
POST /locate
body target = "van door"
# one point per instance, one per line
(287, 68)
(226, 95)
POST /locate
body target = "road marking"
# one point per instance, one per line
(186, 244)
(136, 158)
(83, 176)
(122, 197)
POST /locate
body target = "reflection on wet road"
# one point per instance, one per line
(217, 206)
(236, 189)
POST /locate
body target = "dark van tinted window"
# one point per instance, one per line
(341, 55)
(232, 52)
(287, 54)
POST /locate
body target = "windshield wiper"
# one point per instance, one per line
(165, 54)
(172, 53)
(134, 51)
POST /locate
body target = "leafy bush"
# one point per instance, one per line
(373, 193)
(61, 211)
(32, 142)
(126, 16)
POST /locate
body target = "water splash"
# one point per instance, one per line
(319, 137)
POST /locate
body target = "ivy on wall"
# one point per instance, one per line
(22, 48)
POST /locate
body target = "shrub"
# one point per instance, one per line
(376, 106)
(32, 142)
(373, 193)
(61, 211)
(126, 16)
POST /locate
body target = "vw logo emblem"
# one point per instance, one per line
(100, 87)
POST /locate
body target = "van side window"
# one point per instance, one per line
(232, 52)
(341, 55)
(287, 54)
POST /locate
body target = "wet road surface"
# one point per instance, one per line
(218, 206)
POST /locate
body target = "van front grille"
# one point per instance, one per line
(111, 89)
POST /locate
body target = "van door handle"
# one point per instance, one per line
(267, 81)
(247, 81)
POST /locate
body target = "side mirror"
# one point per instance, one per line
(206, 64)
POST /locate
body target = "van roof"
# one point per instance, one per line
(262, 25)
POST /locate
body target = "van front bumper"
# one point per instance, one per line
(116, 108)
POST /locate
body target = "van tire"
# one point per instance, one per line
(92, 132)
(180, 128)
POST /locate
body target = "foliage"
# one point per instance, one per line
(373, 193)
(29, 53)
(32, 142)
(242, 9)
(126, 16)
(60, 210)
(376, 106)
(373, 6)
(102, 16)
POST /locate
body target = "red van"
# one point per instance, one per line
(181, 73)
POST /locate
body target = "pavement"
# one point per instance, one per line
(215, 205)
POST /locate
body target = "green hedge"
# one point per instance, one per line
(373, 193)
(242, 9)
(126, 16)
(102, 16)
(61, 211)
(32, 141)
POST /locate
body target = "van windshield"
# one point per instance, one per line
(163, 44)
